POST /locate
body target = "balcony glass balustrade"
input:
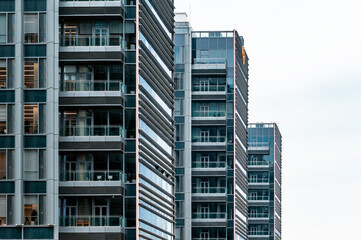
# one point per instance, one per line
(208, 88)
(91, 41)
(258, 163)
(100, 130)
(209, 190)
(209, 215)
(92, 176)
(258, 215)
(200, 139)
(258, 198)
(209, 164)
(92, 85)
(92, 1)
(264, 233)
(258, 180)
(208, 114)
(88, 221)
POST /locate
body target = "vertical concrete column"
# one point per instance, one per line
(19, 113)
(188, 136)
(52, 119)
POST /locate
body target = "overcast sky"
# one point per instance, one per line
(305, 74)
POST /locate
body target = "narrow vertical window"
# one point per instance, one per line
(31, 73)
(31, 210)
(2, 28)
(2, 165)
(3, 118)
(11, 28)
(31, 28)
(31, 119)
(3, 73)
(3, 210)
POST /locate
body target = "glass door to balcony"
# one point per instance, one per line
(253, 213)
(204, 186)
(204, 85)
(70, 35)
(253, 179)
(204, 212)
(204, 111)
(100, 215)
(70, 213)
(70, 171)
(205, 136)
(101, 36)
(253, 195)
(204, 161)
(204, 235)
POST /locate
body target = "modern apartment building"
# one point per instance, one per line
(86, 119)
(264, 177)
(211, 118)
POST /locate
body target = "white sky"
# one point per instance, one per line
(305, 74)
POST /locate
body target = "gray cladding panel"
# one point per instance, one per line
(91, 236)
(91, 10)
(90, 145)
(90, 100)
(91, 190)
(73, 56)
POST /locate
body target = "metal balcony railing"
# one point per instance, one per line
(258, 180)
(208, 88)
(92, 176)
(209, 190)
(88, 221)
(92, 131)
(209, 164)
(209, 61)
(199, 139)
(258, 198)
(91, 41)
(209, 215)
(208, 113)
(258, 215)
(92, 85)
(264, 233)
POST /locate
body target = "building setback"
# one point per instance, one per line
(264, 177)
(211, 117)
(86, 119)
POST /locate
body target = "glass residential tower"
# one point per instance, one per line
(86, 119)
(265, 181)
(211, 117)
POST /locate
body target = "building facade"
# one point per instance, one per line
(211, 117)
(86, 119)
(264, 177)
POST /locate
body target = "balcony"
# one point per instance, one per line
(89, 131)
(258, 181)
(91, 221)
(258, 216)
(92, 85)
(91, 41)
(258, 146)
(259, 164)
(209, 190)
(209, 164)
(211, 216)
(92, 176)
(208, 140)
(258, 198)
(258, 234)
(208, 115)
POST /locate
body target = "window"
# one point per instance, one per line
(178, 81)
(34, 164)
(179, 132)
(3, 211)
(34, 118)
(7, 28)
(178, 107)
(34, 207)
(34, 73)
(7, 73)
(3, 118)
(34, 28)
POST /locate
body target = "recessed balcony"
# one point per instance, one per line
(96, 175)
(91, 131)
(258, 216)
(252, 198)
(208, 115)
(208, 140)
(91, 221)
(92, 86)
(201, 191)
(209, 216)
